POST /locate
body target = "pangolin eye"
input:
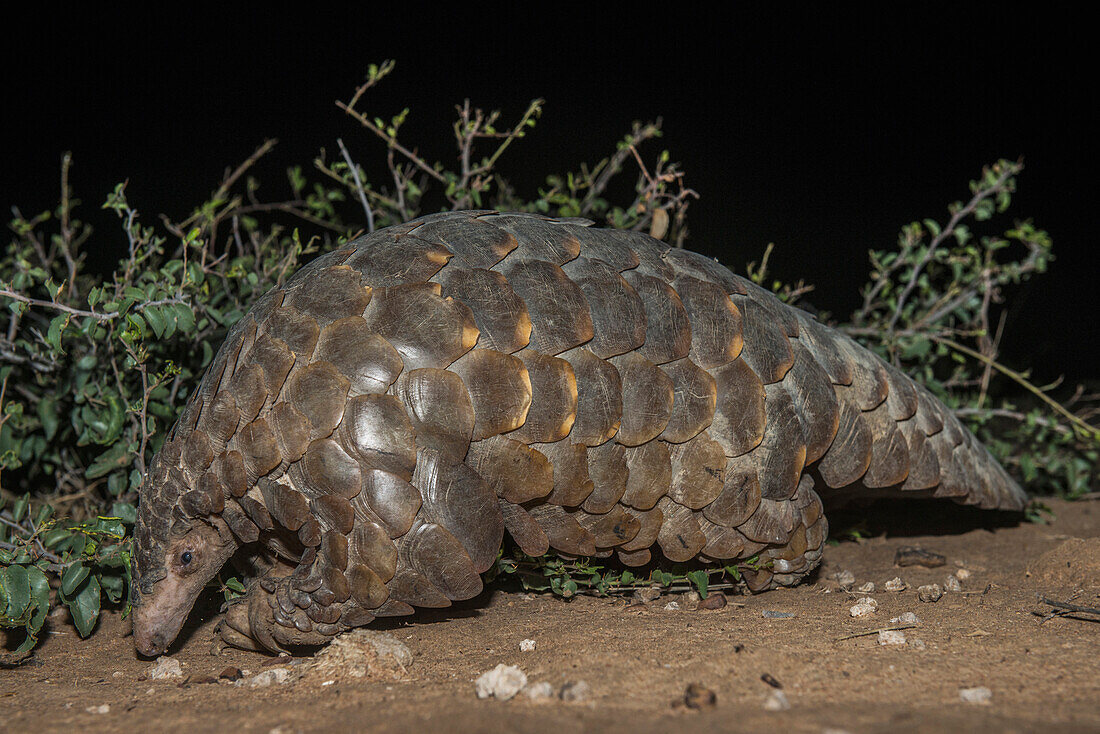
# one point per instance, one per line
(185, 557)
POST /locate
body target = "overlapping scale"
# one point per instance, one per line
(739, 415)
(647, 399)
(649, 474)
(889, 450)
(814, 400)
(439, 408)
(679, 537)
(524, 529)
(766, 348)
(404, 260)
(610, 529)
(572, 485)
(563, 531)
(457, 498)
(369, 362)
(499, 389)
(474, 243)
(332, 293)
(515, 471)
(698, 472)
(560, 319)
(850, 453)
(554, 395)
(695, 397)
(377, 432)
(499, 313)
(426, 329)
(668, 327)
(740, 494)
(318, 392)
(537, 239)
(617, 312)
(599, 398)
(716, 323)
(607, 468)
(293, 328)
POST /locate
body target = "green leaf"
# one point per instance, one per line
(20, 507)
(47, 413)
(84, 606)
(72, 577)
(116, 457)
(53, 334)
(16, 588)
(156, 320)
(699, 579)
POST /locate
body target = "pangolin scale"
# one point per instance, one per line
(373, 428)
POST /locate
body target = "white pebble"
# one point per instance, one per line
(540, 691)
(776, 701)
(165, 668)
(327, 683)
(951, 583)
(672, 607)
(503, 682)
(867, 588)
(962, 574)
(526, 645)
(980, 695)
(917, 644)
(863, 607)
(906, 618)
(101, 709)
(891, 637)
(895, 584)
(268, 677)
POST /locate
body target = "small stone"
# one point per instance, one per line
(503, 682)
(930, 593)
(895, 584)
(714, 600)
(891, 637)
(672, 606)
(844, 577)
(165, 668)
(576, 691)
(962, 574)
(541, 691)
(777, 701)
(117, 674)
(863, 607)
(913, 556)
(772, 614)
(362, 653)
(867, 588)
(648, 594)
(526, 645)
(269, 677)
(698, 696)
(980, 695)
(231, 673)
(101, 709)
(690, 600)
(917, 644)
(906, 618)
(951, 583)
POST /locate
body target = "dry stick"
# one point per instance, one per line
(1070, 608)
(358, 184)
(875, 632)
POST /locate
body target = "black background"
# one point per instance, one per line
(818, 131)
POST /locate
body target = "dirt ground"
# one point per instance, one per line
(638, 659)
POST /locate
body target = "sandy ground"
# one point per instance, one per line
(638, 659)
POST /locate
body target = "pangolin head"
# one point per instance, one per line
(181, 543)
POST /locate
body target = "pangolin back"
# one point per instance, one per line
(383, 418)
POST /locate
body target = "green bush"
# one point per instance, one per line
(93, 370)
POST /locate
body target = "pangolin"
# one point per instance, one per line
(369, 431)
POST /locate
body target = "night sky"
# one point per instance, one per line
(820, 133)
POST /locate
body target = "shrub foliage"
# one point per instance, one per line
(94, 368)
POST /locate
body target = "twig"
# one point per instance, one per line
(875, 632)
(1067, 608)
(961, 214)
(358, 184)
